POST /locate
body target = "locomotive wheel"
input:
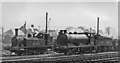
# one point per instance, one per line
(91, 49)
(19, 53)
(71, 51)
(80, 50)
(65, 51)
(105, 48)
(24, 53)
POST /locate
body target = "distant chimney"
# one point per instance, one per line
(16, 32)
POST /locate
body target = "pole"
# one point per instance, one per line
(96, 36)
(46, 36)
(46, 22)
(39, 28)
(25, 27)
(2, 33)
(97, 25)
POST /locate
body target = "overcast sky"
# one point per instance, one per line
(61, 14)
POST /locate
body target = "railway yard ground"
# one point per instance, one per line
(104, 57)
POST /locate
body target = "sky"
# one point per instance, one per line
(61, 14)
(118, 18)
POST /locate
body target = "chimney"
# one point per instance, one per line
(97, 25)
(65, 31)
(46, 22)
(16, 32)
(61, 31)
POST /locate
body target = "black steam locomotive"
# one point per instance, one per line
(31, 44)
(83, 43)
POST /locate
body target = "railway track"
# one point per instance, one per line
(105, 56)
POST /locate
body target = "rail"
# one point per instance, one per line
(105, 56)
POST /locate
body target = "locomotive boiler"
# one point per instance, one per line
(74, 38)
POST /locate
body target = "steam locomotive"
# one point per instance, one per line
(31, 44)
(83, 43)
